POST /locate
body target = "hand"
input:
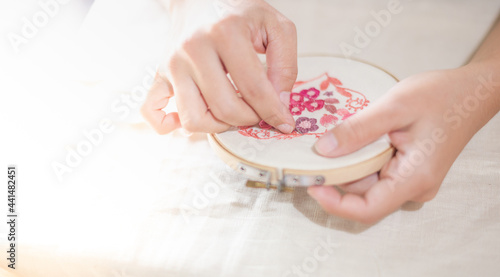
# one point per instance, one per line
(429, 118)
(198, 67)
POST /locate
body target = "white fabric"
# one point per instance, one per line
(146, 205)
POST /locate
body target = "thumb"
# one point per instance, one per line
(281, 56)
(358, 131)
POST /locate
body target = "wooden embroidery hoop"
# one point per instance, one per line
(263, 175)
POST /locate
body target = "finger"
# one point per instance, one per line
(426, 196)
(383, 198)
(152, 109)
(394, 188)
(194, 113)
(360, 130)
(360, 187)
(281, 54)
(241, 61)
(217, 90)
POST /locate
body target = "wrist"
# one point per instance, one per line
(484, 77)
(476, 93)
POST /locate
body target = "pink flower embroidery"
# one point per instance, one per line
(327, 120)
(311, 93)
(314, 105)
(297, 109)
(264, 125)
(296, 98)
(305, 125)
(297, 104)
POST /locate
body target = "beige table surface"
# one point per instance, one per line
(141, 204)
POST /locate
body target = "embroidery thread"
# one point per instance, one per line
(323, 99)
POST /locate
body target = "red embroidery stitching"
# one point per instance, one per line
(307, 99)
(354, 102)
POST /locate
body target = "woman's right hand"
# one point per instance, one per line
(198, 66)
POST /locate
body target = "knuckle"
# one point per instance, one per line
(226, 26)
(192, 123)
(289, 27)
(253, 88)
(289, 73)
(355, 129)
(223, 111)
(251, 91)
(173, 64)
(191, 45)
(284, 27)
(251, 94)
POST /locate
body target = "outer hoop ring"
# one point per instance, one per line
(334, 176)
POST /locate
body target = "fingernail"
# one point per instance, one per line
(285, 128)
(326, 144)
(285, 98)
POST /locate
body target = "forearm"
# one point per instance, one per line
(480, 96)
(489, 51)
(486, 63)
